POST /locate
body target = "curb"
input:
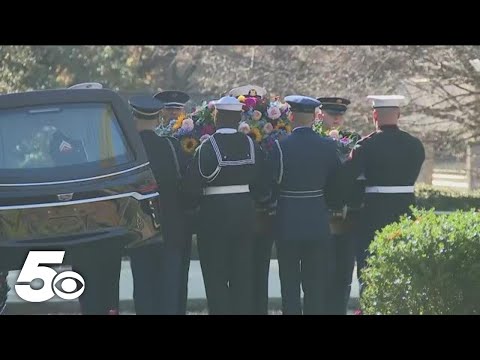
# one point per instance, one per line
(126, 307)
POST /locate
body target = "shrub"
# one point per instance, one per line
(426, 264)
(446, 199)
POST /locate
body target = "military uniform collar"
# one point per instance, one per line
(389, 127)
(226, 131)
(302, 128)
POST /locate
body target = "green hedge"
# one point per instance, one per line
(443, 199)
(427, 264)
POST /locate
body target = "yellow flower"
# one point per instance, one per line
(189, 144)
(256, 134)
(241, 98)
(178, 123)
(282, 126)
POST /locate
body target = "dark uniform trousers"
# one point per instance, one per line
(344, 250)
(100, 267)
(226, 250)
(302, 231)
(160, 269)
(263, 246)
(224, 180)
(305, 263)
(159, 276)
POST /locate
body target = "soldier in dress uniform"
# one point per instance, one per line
(263, 234)
(174, 102)
(302, 166)
(158, 268)
(344, 218)
(390, 160)
(225, 178)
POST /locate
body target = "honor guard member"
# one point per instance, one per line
(344, 218)
(391, 160)
(302, 165)
(174, 105)
(225, 178)
(263, 235)
(158, 268)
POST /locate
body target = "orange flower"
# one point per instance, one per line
(256, 134)
(178, 123)
(189, 144)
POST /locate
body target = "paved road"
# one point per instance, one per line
(196, 288)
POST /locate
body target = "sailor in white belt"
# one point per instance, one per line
(226, 176)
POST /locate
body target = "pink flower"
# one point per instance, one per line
(257, 115)
(244, 128)
(204, 137)
(334, 134)
(187, 124)
(208, 129)
(267, 128)
(274, 112)
(250, 102)
(211, 105)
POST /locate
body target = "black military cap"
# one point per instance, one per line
(334, 105)
(172, 99)
(145, 107)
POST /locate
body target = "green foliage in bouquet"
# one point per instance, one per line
(428, 264)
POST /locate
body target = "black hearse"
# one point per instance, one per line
(73, 173)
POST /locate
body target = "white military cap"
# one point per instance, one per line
(386, 101)
(90, 85)
(248, 90)
(228, 103)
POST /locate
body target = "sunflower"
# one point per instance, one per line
(178, 122)
(255, 134)
(282, 126)
(189, 144)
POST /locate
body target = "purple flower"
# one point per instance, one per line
(250, 102)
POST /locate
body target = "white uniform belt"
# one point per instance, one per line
(390, 189)
(232, 189)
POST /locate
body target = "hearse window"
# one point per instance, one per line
(61, 135)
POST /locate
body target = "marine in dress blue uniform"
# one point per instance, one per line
(225, 179)
(390, 160)
(159, 268)
(302, 166)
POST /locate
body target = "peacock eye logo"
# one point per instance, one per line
(38, 281)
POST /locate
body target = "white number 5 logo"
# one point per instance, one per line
(31, 271)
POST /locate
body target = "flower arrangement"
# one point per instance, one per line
(265, 122)
(345, 140)
(182, 128)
